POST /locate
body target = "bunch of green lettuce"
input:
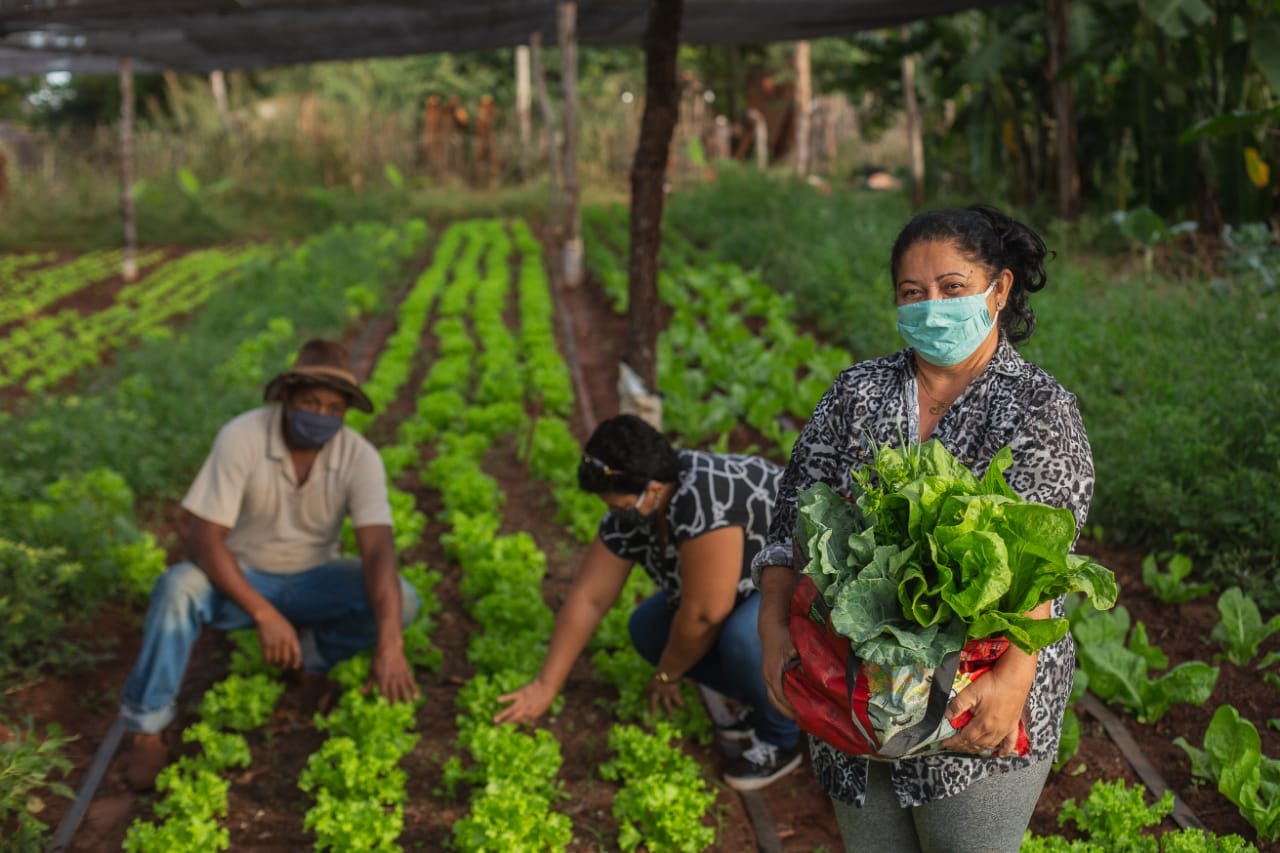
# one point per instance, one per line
(925, 556)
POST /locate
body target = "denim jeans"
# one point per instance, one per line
(327, 604)
(733, 666)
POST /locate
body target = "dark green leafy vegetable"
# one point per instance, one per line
(925, 556)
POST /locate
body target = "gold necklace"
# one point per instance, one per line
(939, 406)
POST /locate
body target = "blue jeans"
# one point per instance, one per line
(327, 604)
(733, 666)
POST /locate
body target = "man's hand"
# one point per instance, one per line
(390, 672)
(527, 704)
(664, 693)
(279, 639)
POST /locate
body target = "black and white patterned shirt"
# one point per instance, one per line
(714, 490)
(1012, 402)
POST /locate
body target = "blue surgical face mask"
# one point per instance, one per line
(635, 516)
(946, 331)
(310, 430)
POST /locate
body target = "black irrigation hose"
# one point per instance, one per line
(1182, 814)
(88, 787)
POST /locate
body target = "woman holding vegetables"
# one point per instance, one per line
(962, 280)
(694, 520)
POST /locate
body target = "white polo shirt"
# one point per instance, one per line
(248, 484)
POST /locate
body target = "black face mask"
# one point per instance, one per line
(310, 430)
(634, 516)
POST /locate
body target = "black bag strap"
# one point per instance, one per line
(939, 695)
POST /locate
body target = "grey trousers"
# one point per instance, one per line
(990, 816)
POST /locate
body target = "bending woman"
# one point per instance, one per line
(694, 521)
(962, 280)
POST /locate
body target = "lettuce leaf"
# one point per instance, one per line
(924, 555)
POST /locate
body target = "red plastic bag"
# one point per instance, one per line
(865, 709)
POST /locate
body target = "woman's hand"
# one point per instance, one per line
(527, 704)
(664, 693)
(995, 701)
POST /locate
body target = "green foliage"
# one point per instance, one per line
(1232, 758)
(240, 703)
(29, 766)
(508, 816)
(664, 797)
(1116, 819)
(1171, 586)
(1117, 664)
(1241, 629)
(180, 835)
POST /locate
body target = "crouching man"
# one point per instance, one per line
(266, 516)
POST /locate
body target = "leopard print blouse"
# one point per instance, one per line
(1012, 402)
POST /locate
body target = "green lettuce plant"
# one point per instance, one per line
(1241, 629)
(1232, 758)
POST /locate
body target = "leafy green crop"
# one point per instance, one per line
(664, 796)
(926, 556)
(1117, 662)
(1171, 586)
(1232, 757)
(1113, 820)
(1241, 629)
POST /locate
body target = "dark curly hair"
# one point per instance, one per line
(985, 235)
(624, 455)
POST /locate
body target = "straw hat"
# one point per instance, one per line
(321, 362)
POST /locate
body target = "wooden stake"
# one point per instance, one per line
(648, 175)
(567, 17)
(524, 96)
(915, 128)
(549, 126)
(129, 270)
(218, 85)
(804, 101)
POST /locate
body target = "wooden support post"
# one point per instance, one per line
(648, 176)
(129, 269)
(549, 126)
(915, 126)
(804, 102)
(567, 16)
(1064, 112)
(218, 85)
(524, 96)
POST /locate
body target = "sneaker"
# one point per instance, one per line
(148, 755)
(760, 764)
(739, 728)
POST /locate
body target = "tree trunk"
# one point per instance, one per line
(1064, 112)
(129, 269)
(915, 128)
(804, 100)
(648, 174)
(549, 123)
(567, 14)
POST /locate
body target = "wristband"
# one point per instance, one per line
(663, 677)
